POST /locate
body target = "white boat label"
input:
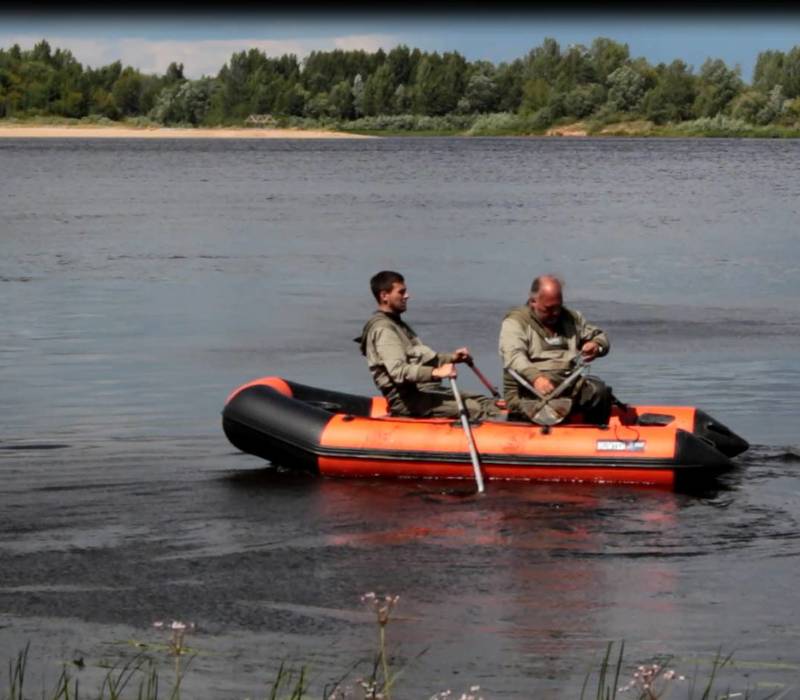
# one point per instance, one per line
(621, 445)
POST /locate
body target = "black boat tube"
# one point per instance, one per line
(721, 436)
(264, 422)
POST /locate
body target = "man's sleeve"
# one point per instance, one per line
(587, 332)
(514, 349)
(391, 351)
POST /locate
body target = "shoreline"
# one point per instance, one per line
(27, 131)
(579, 130)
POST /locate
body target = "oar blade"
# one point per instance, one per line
(553, 412)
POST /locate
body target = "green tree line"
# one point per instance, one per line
(549, 85)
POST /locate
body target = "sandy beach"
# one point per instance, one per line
(26, 131)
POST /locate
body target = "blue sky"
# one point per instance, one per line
(203, 42)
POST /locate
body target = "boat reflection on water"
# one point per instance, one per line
(543, 574)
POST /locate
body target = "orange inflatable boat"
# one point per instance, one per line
(346, 435)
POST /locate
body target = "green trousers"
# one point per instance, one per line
(591, 403)
(441, 403)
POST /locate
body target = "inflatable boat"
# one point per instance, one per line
(346, 435)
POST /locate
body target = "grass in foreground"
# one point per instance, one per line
(140, 677)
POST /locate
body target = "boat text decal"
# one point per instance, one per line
(621, 445)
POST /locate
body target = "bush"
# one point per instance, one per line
(398, 122)
(791, 112)
(722, 126)
(186, 102)
(609, 114)
(583, 100)
(306, 123)
(496, 123)
(542, 118)
(719, 124)
(749, 105)
(98, 119)
(141, 122)
(411, 122)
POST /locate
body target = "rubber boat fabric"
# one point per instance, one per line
(332, 433)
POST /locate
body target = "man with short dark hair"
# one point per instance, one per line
(406, 371)
(539, 341)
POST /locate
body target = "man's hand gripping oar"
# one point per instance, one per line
(498, 399)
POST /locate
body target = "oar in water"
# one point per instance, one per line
(499, 400)
(473, 451)
(553, 409)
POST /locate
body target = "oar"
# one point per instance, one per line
(499, 400)
(473, 452)
(553, 410)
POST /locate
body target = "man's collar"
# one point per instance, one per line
(551, 329)
(390, 314)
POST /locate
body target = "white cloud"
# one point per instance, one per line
(201, 57)
(367, 42)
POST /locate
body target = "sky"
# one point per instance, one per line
(203, 41)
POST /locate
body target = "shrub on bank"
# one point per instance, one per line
(99, 120)
(306, 123)
(410, 122)
(142, 122)
(715, 125)
(43, 120)
(497, 123)
(722, 126)
(637, 127)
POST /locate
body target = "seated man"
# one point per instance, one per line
(406, 371)
(539, 341)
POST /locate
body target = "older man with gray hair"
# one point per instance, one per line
(540, 341)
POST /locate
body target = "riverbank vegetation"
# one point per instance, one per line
(154, 669)
(143, 676)
(596, 90)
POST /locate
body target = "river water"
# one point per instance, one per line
(142, 281)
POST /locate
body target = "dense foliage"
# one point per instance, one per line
(407, 89)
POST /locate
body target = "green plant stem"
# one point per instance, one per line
(385, 663)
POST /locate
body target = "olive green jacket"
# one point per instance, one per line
(401, 365)
(531, 350)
